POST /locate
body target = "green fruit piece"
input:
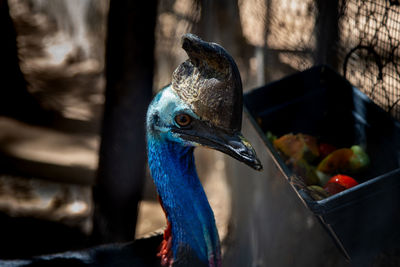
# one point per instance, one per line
(317, 192)
(297, 147)
(359, 161)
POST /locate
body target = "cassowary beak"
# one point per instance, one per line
(236, 146)
(230, 143)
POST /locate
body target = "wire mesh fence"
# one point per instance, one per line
(369, 49)
(360, 38)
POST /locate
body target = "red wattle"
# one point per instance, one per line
(165, 251)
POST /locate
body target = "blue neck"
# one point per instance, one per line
(193, 226)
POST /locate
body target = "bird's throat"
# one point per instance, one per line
(165, 250)
(193, 229)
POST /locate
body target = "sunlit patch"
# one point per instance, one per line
(220, 165)
(77, 207)
(58, 48)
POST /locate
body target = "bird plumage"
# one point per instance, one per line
(173, 170)
(202, 106)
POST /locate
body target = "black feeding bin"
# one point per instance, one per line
(362, 220)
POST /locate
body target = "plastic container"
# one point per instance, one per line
(365, 219)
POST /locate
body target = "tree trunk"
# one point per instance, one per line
(129, 74)
(327, 33)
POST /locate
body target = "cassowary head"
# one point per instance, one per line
(203, 104)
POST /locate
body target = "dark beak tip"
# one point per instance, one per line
(259, 168)
(257, 165)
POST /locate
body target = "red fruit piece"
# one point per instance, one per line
(338, 183)
(334, 188)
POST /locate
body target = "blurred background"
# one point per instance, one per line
(77, 76)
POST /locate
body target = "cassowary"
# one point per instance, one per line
(202, 106)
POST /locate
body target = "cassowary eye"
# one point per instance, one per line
(183, 119)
